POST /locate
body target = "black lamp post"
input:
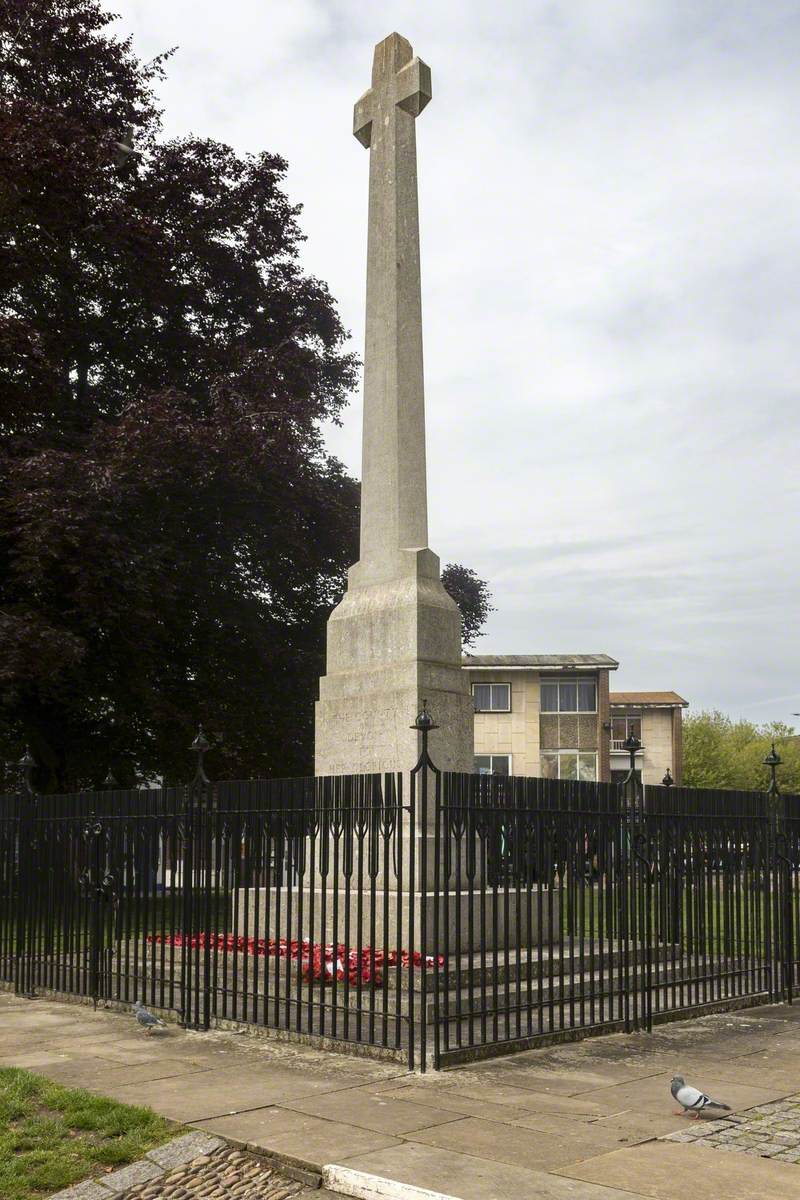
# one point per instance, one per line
(633, 746)
(773, 761)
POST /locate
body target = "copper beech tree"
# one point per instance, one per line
(172, 531)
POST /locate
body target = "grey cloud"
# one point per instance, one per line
(610, 264)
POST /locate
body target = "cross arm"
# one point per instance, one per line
(362, 118)
(413, 86)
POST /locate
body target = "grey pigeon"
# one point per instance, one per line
(145, 1018)
(693, 1101)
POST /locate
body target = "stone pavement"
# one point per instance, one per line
(591, 1120)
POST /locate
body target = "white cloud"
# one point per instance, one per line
(610, 262)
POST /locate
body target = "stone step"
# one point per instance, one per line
(562, 981)
(546, 962)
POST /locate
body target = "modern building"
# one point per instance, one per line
(554, 715)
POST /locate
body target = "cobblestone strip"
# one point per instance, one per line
(194, 1167)
(770, 1131)
(227, 1173)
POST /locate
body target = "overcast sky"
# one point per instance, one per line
(610, 267)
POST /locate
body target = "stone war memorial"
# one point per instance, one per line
(395, 639)
(396, 902)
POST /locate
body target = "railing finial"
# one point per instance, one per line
(28, 765)
(200, 746)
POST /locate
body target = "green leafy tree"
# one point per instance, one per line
(473, 597)
(722, 753)
(172, 532)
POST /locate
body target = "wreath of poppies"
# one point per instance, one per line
(318, 963)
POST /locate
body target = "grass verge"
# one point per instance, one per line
(52, 1137)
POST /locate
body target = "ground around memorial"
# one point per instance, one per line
(592, 1120)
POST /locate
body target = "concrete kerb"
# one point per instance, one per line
(348, 1182)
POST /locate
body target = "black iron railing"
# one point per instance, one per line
(438, 918)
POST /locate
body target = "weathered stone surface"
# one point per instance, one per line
(663, 1170)
(126, 1177)
(395, 638)
(184, 1149)
(90, 1189)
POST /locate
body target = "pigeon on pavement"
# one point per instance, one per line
(145, 1018)
(693, 1101)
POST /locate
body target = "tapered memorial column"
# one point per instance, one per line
(395, 638)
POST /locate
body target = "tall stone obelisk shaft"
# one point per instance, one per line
(394, 503)
(395, 638)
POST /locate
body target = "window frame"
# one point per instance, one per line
(567, 681)
(492, 757)
(491, 684)
(627, 717)
(576, 754)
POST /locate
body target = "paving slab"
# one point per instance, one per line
(504, 1114)
(563, 1075)
(675, 1171)
(298, 1138)
(98, 1074)
(652, 1094)
(32, 1040)
(34, 1017)
(638, 1125)
(508, 1093)
(368, 1109)
(106, 1046)
(220, 1092)
(39, 1058)
(470, 1178)
(525, 1148)
(757, 1071)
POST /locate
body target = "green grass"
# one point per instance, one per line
(52, 1137)
(709, 924)
(156, 914)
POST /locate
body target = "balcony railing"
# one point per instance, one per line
(619, 744)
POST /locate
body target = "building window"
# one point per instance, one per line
(569, 764)
(622, 728)
(491, 697)
(569, 696)
(492, 764)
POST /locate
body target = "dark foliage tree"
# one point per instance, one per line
(473, 597)
(172, 533)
